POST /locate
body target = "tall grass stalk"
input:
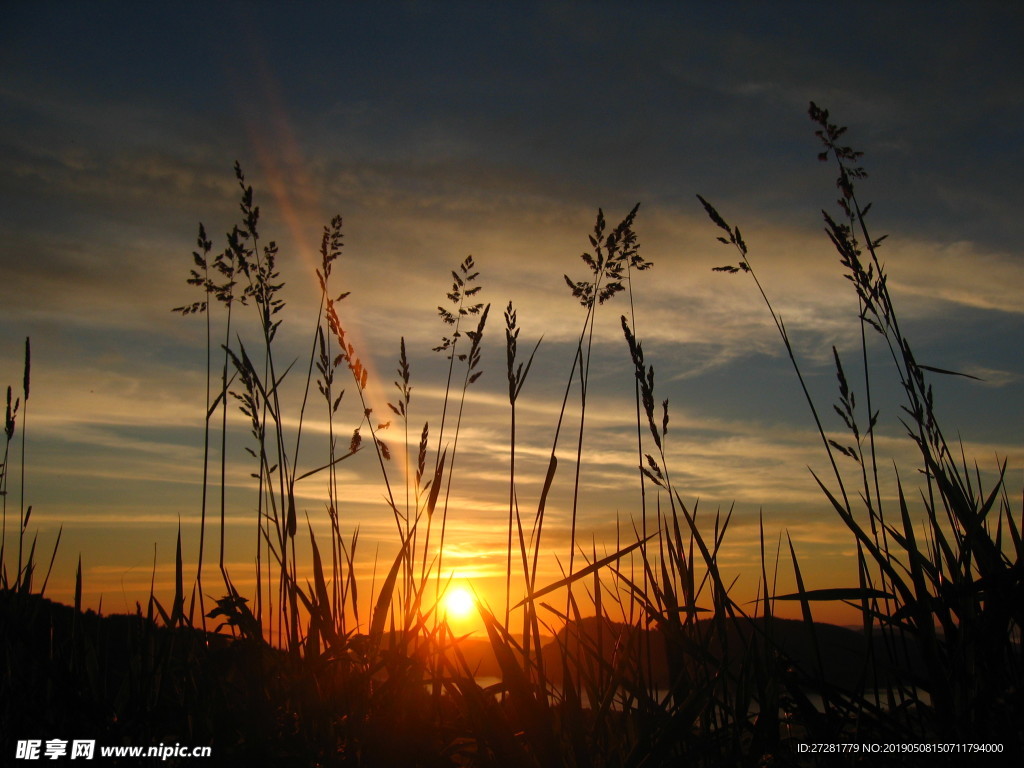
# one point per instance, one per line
(461, 296)
(612, 254)
(24, 579)
(10, 422)
(635, 262)
(203, 280)
(516, 374)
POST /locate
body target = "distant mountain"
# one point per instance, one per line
(838, 654)
(844, 653)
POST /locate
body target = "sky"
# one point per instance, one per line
(442, 130)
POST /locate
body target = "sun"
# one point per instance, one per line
(459, 603)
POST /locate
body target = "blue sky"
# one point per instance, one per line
(441, 130)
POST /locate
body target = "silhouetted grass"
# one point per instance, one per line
(671, 669)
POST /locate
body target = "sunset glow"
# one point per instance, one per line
(459, 603)
(114, 164)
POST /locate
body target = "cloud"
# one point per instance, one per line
(963, 273)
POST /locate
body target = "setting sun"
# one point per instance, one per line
(458, 603)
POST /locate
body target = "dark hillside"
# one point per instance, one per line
(124, 680)
(844, 653)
